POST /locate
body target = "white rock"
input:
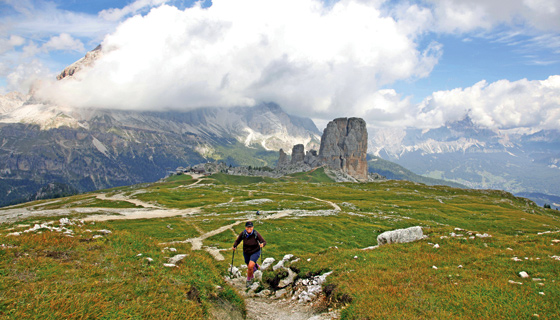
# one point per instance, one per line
(523, 274)
(514, 282)
(281, 293)
(139, 255)
(436, 246)
(355, 257)
(13, 234)
(177, 258)
(516, 259)
(258, 275)
(65, 221)
(279, 265)
(288, 280)
(288, 257)
(308, 259)
(541, 293)
(150, 259)
(105, 231)
(434, 267)
(169, 265)
(460, 266)
(172, 249)
(97, 236)
(400, 236)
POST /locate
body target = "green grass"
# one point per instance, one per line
(49, 275)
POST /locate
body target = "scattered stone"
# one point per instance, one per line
(258, 275)
(97, 236)
(13, 234)
(555, 257)
(514, 282)
(281, 293)
(172, 249)
(279, 265)
(149, 259)
(139, 255)
(436, 246)
(460, 266)
(288, 257)
(169, 265)
(104, 231)
(267, 263)
(401, 236)
(510, 249)
(288, 280)
(434, 267)
(65, 221)
(177, 258)
(537, 279)
(555, 241)
(516, 259)
(523, 274)
(541, 293)
(484, 235)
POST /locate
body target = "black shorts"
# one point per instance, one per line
(251, 257)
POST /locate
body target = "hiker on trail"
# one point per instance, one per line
(252, 244)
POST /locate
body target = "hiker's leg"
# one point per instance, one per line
(250, 267)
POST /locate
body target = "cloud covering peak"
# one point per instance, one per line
(312, 59)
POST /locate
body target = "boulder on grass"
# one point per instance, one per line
(401, 236)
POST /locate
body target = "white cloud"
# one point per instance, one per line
(115, 14)
(63, 42)
(501, 105)
(465, 16)
(26, 76)
(10, 43)
(313, 60)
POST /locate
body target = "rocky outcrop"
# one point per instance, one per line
(343, 150)
(312, 158)
(344, 147)
(298, 154)
(86, 61)
(283, 160)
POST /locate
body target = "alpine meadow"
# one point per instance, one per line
(101, 262)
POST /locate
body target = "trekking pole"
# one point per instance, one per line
(232, 256)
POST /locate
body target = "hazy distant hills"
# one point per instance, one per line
(476, 157)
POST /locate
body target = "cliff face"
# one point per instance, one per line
(344, 147)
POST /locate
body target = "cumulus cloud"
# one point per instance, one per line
(115, 14)
(312, 59)
(500, 105)
(64, 42)
(8, 44)
(465, 16)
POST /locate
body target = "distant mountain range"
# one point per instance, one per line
(94, 149)
(518, 162)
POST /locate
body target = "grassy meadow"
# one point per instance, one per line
(92, 274)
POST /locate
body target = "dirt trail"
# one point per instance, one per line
(122, 197)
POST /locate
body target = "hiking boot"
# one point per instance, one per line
(249, 283)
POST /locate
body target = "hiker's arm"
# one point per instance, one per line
(261, 240)
(236, 243)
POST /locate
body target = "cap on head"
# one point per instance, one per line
(248, 224)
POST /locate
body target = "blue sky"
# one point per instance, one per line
(413, 63)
